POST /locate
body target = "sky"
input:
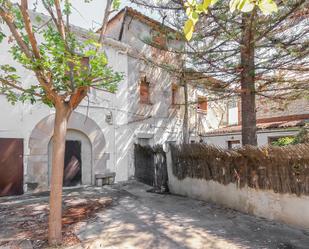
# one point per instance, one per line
(87, 15)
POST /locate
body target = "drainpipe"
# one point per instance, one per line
(185, 131)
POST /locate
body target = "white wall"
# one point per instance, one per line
(129, 118)
(221, 140)
(286, 208)
(18, 121)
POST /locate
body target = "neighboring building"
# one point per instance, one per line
(146, 109)
(274, 120)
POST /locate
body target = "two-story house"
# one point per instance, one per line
(147, 108)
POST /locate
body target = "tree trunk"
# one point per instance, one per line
(185, 131)
(248, 109)
(107, 12)
(55, 214)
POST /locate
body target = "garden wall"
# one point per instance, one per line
(270, 182)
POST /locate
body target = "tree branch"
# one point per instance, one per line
(105, 20)
(19, 88)
(7, 17)
(60, 20)
(28, 27)
(77, 97)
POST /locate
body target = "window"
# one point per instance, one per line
(174, 94)
(144, 91)
(159, 39)
(233, 144)
(202, 104)
(232, 112)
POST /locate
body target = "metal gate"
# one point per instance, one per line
(11, 166)
(150, 166)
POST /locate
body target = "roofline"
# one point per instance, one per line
(134, 13)
(260, 131)
(238, 128)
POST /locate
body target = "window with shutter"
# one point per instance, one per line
(202, 104)
(144, 91)
(174, 94)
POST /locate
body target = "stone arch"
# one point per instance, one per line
(37, 166)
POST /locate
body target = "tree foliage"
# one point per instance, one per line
(64, 65)
(195, 8)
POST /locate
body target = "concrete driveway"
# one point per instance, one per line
(145, 220)
(138, 219)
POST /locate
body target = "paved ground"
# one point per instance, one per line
(138, 219)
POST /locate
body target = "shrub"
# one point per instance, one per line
(301, 138)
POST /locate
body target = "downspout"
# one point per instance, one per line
(185, 131)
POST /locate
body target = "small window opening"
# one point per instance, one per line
(174, 94)
(202, 104)
(144, 91)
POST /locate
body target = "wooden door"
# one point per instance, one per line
(11, 166)
(72, 163)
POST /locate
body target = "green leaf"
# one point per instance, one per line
(2, 36)
(206, 4)
(233, 5)
(188, 29)
(67, 8)
(189, 11)
(116, 4)
(268, 6)
(245, 6)
(191, 2)
(38, 19)
(242, 5)
(199, 8)
(194, 17)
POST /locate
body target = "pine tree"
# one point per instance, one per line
(250, 54)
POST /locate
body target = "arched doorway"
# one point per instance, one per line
(80, 127)
(78, 159)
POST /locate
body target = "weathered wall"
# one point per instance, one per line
(158, 121)
(287, 208)
(267, 108)
(203, 121)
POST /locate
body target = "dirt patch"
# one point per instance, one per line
(30, 222)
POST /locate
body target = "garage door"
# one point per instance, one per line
(11, 166)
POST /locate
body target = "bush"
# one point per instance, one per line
(301, 138)
(283, 141)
